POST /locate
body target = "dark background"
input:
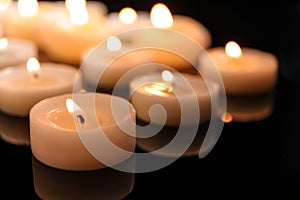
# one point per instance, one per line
(251, 160)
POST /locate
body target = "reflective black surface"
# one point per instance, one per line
(250, 160)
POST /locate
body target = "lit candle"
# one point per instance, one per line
(104, 65)
(178, 94)
(173, 35)
(15, 51)
(68, 37)
(55, 130)
(245, 71)
(26, 18)
(14, 130)
(127, 20)
(23, 86)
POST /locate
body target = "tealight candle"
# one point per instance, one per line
(68, 37)
(26, 18)
(104, 65)
(170, 35)
(127, 20)
(23, 86)
(174, 93)
(15, 51)
(55, 129)
(245, 71)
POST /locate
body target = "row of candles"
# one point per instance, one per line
(70, 33)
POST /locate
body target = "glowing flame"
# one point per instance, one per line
(72, 106)
(127, 15)
(78, 12)
(167, 76)
(113, 43)
(33, 65)
(161, 16)
(3, 43)
(74, 4)
(4, 4)
(233, 50)
(28, 8)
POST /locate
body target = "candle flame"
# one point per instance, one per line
(167, 76)
(233, 50)
(33, 65)
(3, 43)
(28, 8)
(161, 16)
(74, 4)
(113, 43)
(72, 106)
(127, 15)
(78, 12)
(4, 4)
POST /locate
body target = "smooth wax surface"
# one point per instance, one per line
(143, 100)
(253, 73)
(55, 139)
(20, 90)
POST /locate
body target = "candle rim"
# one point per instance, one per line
(40, 107)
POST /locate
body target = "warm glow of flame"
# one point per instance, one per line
(158, 89)
(127, 15)
(113, 43)
(161, 16)
(227, 117)
(167, 76)
(28, 8)
(33, 65)
(233, 50)
(79, 16)
(4, 4)
(74, 4)
(72, 106)
(3, 43)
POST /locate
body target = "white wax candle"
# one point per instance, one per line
(104, 65)
(177, 40)
(54, 133)
(150, 89)
(28, 20)
(68, 36)
(252, 72)
(20, 89)
(127, 20)
(15, 51)
(14, 130)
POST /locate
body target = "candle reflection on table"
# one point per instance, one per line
(14, 130)
(166, 135)
(108, 183)
(249, 108)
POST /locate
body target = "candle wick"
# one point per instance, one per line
(35, 75)
(81, 119)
